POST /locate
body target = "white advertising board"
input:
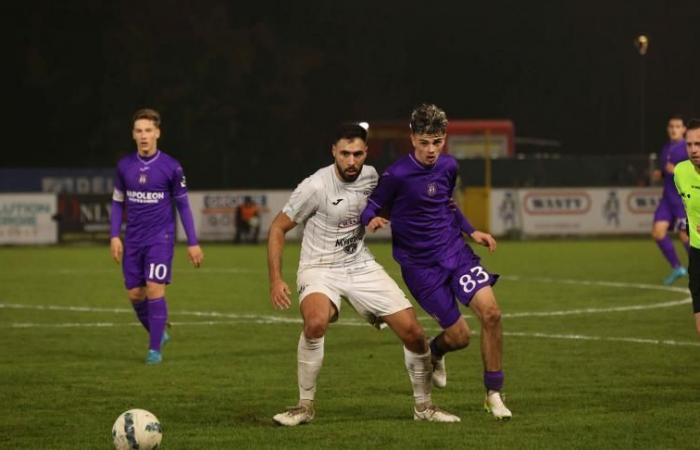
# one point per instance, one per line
(28, 219)
(571, 211)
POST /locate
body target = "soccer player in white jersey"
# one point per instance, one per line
(334, 262)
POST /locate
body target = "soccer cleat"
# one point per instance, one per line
(153, 357)
(439, 373)
(494, 405)
(676, 273)
(295, 415)
(434, 414)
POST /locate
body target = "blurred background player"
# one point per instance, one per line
(146, 184)
(437, 265)
(670, 214)
(334, 262)
(247, 221)
(687, 180)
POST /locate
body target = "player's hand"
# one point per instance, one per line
(195, 255)
(279, 294)
(116, 247)
(484, 239)
(376, 223)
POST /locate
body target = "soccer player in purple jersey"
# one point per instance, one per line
(437, 265)
(670, 213)
(147, 183)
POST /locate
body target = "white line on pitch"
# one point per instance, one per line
(577, 337)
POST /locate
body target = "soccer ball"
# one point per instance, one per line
(137, 429)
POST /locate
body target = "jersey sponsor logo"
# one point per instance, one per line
(347, 223)
(350, 243)
(547, 203)
(335, 203)
(145, 197)
(432, 189)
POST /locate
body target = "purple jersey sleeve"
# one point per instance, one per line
(117, 214)
(179, 185)
(183, 208)
(462, 221)
(381, 198)
(182, 203)
(116, 218)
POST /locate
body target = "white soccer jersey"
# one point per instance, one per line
(330, 210)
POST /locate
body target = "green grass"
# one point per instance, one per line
(588, 380)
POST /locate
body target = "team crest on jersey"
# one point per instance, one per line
(143, 178)
(432, 189)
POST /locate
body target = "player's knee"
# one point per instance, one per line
(658, 234)
(491, 317)
(136, 295)
(462, 340)
(457, 338)
(414, 339)
(315, 328)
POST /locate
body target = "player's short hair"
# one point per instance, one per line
(350, 131)
(693, 124)
(676, 117)
(149, 114)
(428, 119)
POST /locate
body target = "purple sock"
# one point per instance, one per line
(141, 309)
(493, 380)
(666, 247)
(157, 317)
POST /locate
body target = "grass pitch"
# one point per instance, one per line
(597, 355)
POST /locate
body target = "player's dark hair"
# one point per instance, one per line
(350, 131)
(428, 119)
(148, 114)
(676, 117)
(693, 124)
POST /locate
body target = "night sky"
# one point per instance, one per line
(245, 86)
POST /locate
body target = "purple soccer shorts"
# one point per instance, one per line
(672, 213)
(148, 263)
(436, 287)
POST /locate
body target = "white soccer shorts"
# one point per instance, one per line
(366, 286)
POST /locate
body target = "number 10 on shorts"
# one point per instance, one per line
(157, 271)
(477, 276)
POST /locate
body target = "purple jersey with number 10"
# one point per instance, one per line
(148, 187)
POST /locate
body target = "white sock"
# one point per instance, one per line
(420, 371)
(309, 360)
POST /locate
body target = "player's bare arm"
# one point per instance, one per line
(195, 255)
(279, 290)
(116, 247)
(484, 239)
